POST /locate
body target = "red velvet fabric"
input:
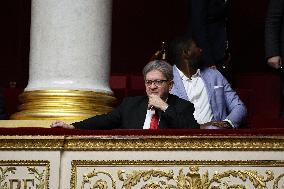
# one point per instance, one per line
(264, 92)
(158, 132)
(12, 99)
(136, 85)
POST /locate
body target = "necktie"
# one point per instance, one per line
(154, 121)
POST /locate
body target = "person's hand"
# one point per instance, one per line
(275, 62)
(62, 125)
(203, 126)
(216, 125)
(156, 102)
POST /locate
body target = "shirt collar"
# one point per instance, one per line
(184, 77)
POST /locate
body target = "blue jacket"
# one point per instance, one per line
(224, 101)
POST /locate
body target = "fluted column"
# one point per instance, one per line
(69, 60)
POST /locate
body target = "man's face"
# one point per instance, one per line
(157, 84)
(195, 54)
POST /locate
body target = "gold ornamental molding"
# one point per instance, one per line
(159, 143)
(33, 143)
(128, 174)
(140, 143)
(62, 105)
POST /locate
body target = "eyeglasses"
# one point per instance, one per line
(157, 83)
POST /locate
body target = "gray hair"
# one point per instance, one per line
(165, 68)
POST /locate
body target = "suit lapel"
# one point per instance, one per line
(141, 113)
(178, 85)
(209, 83)
(206, 79)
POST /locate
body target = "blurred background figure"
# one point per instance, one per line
(274, 37)
(208, 20)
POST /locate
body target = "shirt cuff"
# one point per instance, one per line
(229, 121)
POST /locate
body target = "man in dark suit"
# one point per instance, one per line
(274, 33)
(274, 37)
(208, 28)
(158, 109)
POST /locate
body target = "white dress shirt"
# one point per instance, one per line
(197, 94)
(147, 121)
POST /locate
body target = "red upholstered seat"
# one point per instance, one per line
(12, 99)
(119, 85)
(136, 86)
(265, 89)
(264, 99)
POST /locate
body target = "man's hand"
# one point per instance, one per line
(275, 62)
(62, 125)
(156, 102)
(202, 126)
(216, 125)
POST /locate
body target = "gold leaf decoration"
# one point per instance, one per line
(19, 166)
(276, 182)
(181, 177)
(258, 181)
(193, 179)
(99, 184)
(145, 175)
(40, 177)
(4, 174)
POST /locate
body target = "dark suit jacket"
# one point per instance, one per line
(131, 114)
(274, 29)
(208, 28)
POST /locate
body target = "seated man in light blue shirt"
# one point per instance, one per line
(216, 104)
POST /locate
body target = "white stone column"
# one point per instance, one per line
(70, 45)
(69, 56)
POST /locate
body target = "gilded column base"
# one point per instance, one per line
(63, 105)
